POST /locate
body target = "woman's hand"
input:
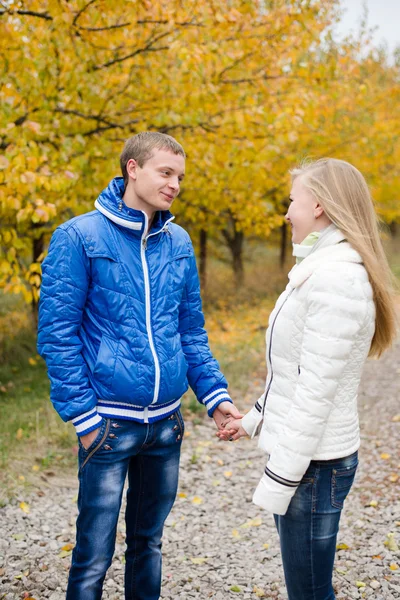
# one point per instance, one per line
(233, 430)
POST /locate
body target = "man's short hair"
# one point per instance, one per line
(140, 147)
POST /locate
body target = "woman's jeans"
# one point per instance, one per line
(149, 455)
(309, 529)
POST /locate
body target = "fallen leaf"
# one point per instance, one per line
(385, 456)
(68, 547)
(19, 536)
(187, 434)
(266, 546)
(396, 419)
(220, 462)
(342, 547)
(341, 571)
(235, 533)
(259, 592)
(19, 434)
(360, 584)
(377, 557)
(182, 495)
(25, 507)
(253, 523)
(373, 503)
(393, 566)
(228, 473)
(35, 468)
(32, 361)
(216, 482)
(391, 542)
(199, 560)
(197, 500)
(64, 553)
(21, 477)
(235, 588)
(393, 477)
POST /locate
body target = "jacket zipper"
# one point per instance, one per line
(270, 350)
(143, 249)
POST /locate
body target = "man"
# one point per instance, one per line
(121, 329)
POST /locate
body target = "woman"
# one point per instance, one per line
(337, 309)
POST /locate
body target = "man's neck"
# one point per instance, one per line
(132, 201)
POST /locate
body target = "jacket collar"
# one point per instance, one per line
(112, 206)
(331, 247)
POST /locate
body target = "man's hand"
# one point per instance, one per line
(225, 411)
(88, 439)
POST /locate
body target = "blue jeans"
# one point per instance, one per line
(149, 455)
(308, 530)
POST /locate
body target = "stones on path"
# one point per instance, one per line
(217, 544)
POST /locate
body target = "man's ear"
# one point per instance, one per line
(131, 168)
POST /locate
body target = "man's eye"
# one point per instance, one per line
(166, 172)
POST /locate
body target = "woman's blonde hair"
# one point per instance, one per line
(345, 197)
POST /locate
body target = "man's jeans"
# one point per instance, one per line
(149, 454)
(309, 529)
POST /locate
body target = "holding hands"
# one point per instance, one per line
(231, 430)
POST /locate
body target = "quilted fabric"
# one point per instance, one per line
(106, 352)
(318, 339)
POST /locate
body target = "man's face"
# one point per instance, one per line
(156, 185)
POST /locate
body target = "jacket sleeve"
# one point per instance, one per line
(333, 323)
(65, 280)
(204, 375)
(252, 421)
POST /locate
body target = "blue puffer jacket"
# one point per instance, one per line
(120, 320)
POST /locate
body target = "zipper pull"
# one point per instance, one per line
(120, 205)
(145, 243)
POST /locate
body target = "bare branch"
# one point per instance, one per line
(29, 13)
(79, 13)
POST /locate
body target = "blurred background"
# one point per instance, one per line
(249, 87)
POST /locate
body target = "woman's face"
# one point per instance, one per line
(303, 212)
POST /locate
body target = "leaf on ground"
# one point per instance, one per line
(360, 584)
(197, 500)
(20, 433)
(32, 361)
(228, 473)
(391, 542)
(235, 533)
(385, 456)
(21, 477)
(235, 588)
(182, 495)
(216, 482)
(252, 523)
(342, 547)
(19, 536)
(64, 553)
(68, 547)
(341, 571)
(35, 468)
(377, 557)
(259, 592)
(393, 478)
(199, 560)
(393, 566)
(265, 546)
(25, 507)
(220, 462)
(396, 419)
(373, 503)
(187, 434)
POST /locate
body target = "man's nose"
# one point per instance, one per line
(174, 183)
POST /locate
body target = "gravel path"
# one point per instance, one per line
(217, 544)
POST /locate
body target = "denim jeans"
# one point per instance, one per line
(308, 530)
(149, 455)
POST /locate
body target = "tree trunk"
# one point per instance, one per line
(282, 257)
(235, 243)
(37, 250)
(203, 260)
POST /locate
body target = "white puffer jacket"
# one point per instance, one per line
(318, 339)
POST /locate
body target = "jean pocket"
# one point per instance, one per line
(341, 482)
(97, 442)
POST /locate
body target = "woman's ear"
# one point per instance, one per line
(318, 211)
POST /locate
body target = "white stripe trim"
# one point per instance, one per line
(217, 399)
(118, 220)
(87, 424)
(113, 411)
(86, 415)
(218, 391)
(148, 309)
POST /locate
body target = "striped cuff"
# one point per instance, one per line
(214, 397)
(87, 422)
